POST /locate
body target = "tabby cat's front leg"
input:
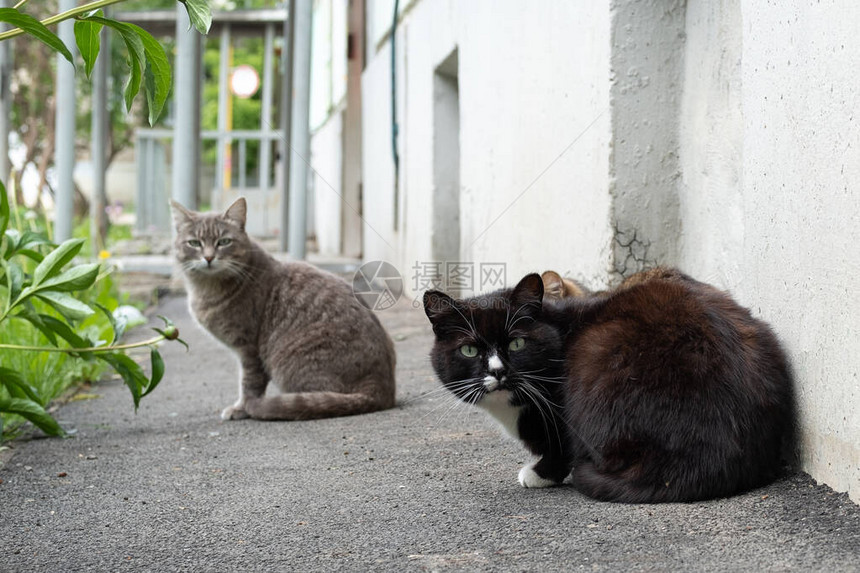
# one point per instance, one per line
(252, 384)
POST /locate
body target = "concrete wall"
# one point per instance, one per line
(646, 75)
(710, 190)
(801, 211)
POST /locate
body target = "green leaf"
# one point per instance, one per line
(36, 29)
(65, 332)
(71, 308)
(118, 325)
(131, 373)
(158, 75)
(32, 412)
(54, 262)
(136, 54)
(87, 36)
(80, 277)
(31, 254)
(17, 386)
(15, 279)
(199, 14)
(33, 239)
(28, 312)
(157, 364)
(4, 207)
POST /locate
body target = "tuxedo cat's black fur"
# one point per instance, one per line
(663, 389)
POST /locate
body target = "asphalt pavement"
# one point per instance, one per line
(426, 486)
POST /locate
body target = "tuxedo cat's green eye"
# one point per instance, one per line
(516, 344)
(195, 243)
(224, 242)
(469, 351)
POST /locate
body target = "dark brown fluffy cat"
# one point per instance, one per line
(289, 323)
(663, 389)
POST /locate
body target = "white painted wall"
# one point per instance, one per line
(801, 211)
(534, 141)
(327, 178)
(535, 134)
(378, 235)
(710, 137)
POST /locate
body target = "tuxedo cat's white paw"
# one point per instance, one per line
(234, 412)
(529, 478)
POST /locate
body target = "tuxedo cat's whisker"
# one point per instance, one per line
(451, 394)
(454, 388)
(461, 403)
(547, 415)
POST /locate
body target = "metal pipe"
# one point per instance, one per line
(266, 121)
(300, 139)
(186, 127)
(285, 126)
(64, 158)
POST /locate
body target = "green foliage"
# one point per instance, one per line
(36, 29)
(147, 62)
(46, 300)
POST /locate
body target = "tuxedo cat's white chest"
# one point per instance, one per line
(499, 406)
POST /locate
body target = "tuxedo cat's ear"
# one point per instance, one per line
(528, 292)
(180, 213)
(436, 305)
(237, 212)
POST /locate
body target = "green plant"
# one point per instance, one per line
(36, 287)
(33, 270)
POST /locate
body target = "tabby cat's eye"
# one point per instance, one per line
(195, 243)
(469, 351)
(516, 344)
(224, 242)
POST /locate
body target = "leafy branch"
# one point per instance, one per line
(148, 63)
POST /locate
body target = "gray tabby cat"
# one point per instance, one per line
(290, 323)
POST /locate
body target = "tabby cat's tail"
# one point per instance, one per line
(315, 405)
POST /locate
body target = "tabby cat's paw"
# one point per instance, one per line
(529, 478)
(234, 412)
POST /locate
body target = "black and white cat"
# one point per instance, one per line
(663, 389)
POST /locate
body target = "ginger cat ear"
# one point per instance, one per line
(553, 285)
(180, 213)
(557, 288)
(237, 212)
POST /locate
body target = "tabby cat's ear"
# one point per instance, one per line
(436, 305)
(180, 213)
(528, 292)
(237, 212)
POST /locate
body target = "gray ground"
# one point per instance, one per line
(421, 487)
